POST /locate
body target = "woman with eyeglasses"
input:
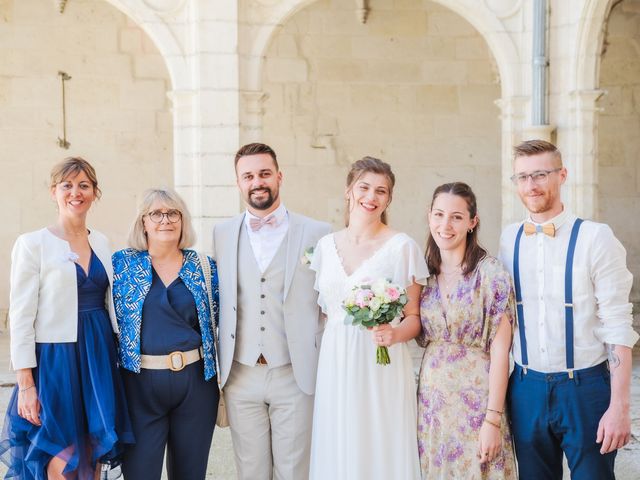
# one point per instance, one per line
(166, 342)
(67, 414)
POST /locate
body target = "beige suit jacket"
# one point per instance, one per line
(303, 322)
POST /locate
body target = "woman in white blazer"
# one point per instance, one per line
(67, 414)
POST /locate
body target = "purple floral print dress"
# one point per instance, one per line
(454, 377)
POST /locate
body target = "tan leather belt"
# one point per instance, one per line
(175, 361)
(261, 360)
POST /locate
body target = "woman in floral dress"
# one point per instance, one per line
(467, 311)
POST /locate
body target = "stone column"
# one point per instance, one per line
(218, 130)
(512, 115)
(582, 158)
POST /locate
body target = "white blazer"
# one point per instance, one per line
(43, 301)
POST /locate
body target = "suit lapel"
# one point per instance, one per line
(232, 256)
(294, 239)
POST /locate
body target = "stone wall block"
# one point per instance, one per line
(624, 25)
(287, 46)
(147, 93)
(36, 92)
(149, 66)
(618, 179)
(387, 46)
(332, 96)
(394, 71)
(635, 95)
(482, 72)
(5, 92)
(440, 47)
(469, 48)
(339, 70)
(130, 40)
(478, 98)
(437, 99)
(444, 73)
(382, 98)
(448, 24)
(340, 22)
(274, 102)
(286, 70)
(98, 92)
(305, 23)
(398, 22)
(622, 72)
(611, 151)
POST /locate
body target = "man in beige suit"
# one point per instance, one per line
(270, 323)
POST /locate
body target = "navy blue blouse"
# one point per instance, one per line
(169, 319)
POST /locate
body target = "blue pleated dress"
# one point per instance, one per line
(83, 408)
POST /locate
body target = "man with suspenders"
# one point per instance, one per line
(569, 391)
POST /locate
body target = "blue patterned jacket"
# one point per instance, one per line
(131, 282)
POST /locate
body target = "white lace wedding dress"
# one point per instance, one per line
(364, 422)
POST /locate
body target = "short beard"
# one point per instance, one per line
(265, 204)
(540, 208)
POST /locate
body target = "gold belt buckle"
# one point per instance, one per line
(172, 361)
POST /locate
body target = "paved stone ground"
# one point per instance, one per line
(221, 463)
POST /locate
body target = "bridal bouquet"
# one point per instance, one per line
(375, 304)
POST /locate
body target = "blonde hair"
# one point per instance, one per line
(137, 237)
(70, 167)
(529, 148)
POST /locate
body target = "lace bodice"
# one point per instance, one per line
(399, 260)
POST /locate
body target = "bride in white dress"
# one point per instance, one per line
(364, 422)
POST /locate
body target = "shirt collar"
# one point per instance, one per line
(557, 221)
(279, 213)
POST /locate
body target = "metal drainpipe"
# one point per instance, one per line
(540, 64)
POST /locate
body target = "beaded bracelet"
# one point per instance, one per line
(492, 423)
(26, 388)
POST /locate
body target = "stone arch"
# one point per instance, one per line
(585, 94)
(590, 37)
(488, 22)
(150, 20)
(484, 20)
(395, 57)
(617, 160)
(117, 113)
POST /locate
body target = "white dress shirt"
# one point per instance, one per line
(266, 241)
(601, 287)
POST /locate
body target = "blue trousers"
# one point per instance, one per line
(173, 409)
(551, 414)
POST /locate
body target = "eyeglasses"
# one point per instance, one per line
(156, 216)
(539, 176)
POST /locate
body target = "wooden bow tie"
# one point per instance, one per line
(547, 229)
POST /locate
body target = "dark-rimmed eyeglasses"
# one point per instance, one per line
(539, 177)
(173, 216)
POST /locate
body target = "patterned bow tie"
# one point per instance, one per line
(547, 229)
(257, 223)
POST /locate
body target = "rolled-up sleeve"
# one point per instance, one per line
(23, 305)
(612, 283)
